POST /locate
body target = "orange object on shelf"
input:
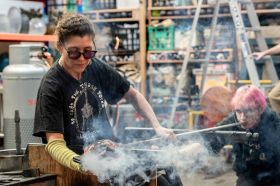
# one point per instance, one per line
(27, 37)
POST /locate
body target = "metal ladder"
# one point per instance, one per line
(244, 43)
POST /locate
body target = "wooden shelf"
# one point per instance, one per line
(254, 1)
(223, 4)
(164, 61)
(110, 11)
(262, 81)
(121, 63)
(203, 6)
(178, 7)
(267, 31)
(115, 20)
(187, 12)
(27, 37)
(210, 61)
(227, 60)
(102, 16)
(190, 61)
(260, 11)
(265, 1)
(177, 50)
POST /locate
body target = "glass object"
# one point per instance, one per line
(37, 26)
(14, 16)
(5, 23)
(24, 23)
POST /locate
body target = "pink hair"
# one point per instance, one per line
(249, 96)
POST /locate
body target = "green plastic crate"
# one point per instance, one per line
(161, 38)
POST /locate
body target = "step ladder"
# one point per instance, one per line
(241, 34)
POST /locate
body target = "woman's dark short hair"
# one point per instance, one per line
(73, 25)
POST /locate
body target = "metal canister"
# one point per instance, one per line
(21, 80)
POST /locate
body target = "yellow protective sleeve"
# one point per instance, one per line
(62, 154)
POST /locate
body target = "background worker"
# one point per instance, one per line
(254, 163)
(70, 111)
(274, 94)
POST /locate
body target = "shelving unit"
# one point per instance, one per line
(227, 56)
(185, 14)
(113, 15)
(263, 7)
(192, 11)
(27, 37)
(126, 16)
(139, 16)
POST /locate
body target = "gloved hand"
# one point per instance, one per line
(58, 150)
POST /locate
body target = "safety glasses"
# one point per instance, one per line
(75, 54)
(248, 111)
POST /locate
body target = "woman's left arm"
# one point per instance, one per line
(142, 106)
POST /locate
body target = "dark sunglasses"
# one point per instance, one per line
(88, 54)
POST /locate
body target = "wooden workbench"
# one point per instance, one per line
(37, 157)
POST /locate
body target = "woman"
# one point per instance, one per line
(70, 111)
(255, 164)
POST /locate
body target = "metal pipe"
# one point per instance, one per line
(17, 133)
(148, 128)
(186, 133)
(209, 129)
(238, 136)
(235, 133)
(144, 150)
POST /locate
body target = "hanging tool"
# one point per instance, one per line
(17, 133)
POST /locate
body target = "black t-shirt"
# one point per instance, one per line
(76, 108)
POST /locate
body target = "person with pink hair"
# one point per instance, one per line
(248, 103)
(257, 164)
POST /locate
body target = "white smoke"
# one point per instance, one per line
(118, 166)
(122, 164)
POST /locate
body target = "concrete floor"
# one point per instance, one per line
(225, 179)
(223, 175)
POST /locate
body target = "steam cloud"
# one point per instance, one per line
(124, 162)
(116, 167)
